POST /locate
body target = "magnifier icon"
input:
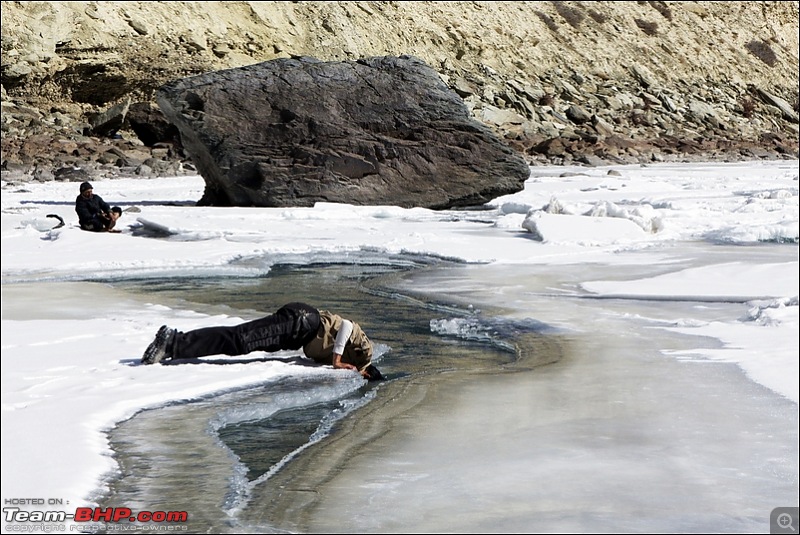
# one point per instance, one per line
(784, 520)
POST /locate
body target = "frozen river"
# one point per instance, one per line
(607, 350)
(594, 426)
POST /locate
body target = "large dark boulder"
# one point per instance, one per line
(292, 132)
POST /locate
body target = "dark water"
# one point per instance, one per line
(207, 457)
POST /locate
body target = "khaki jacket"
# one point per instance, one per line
(357, 350)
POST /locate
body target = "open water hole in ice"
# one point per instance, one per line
(205, 456)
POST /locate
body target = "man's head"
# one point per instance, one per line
(86, 189)
(364, 352)
(371, 373)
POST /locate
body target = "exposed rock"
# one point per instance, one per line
(150, 125)
(779, 103)
(71, 174)
(111, 120)
(578, 115)
(499, 117)
(372, 131)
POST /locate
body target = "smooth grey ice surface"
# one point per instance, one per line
(615, 437)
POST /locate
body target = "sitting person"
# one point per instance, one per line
(115, 214)
(94, 213)
(325, 337)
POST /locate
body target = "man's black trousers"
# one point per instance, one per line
(291, 327)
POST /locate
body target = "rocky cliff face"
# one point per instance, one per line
(559, 81)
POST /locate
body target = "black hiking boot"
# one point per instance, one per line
(160, 347)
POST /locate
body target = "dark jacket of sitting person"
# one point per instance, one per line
(93, 212)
